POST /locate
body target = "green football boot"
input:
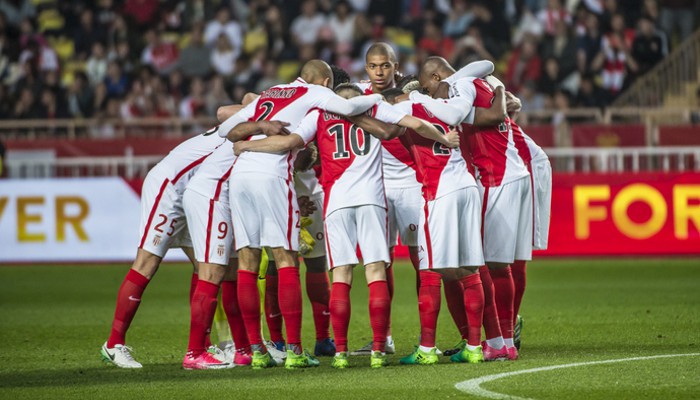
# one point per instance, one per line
(261, 360)
(421, 357)
(340, 361)
(303, 360)
(378, 360)
(468, 356)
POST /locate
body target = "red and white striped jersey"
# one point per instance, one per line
(189, 154)
(440, 170)
(399, 168)
(213, 172)
(492, 149)
(351, 159)
(288, 103)
(527, 148)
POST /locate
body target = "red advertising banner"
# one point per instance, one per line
(625, 214)
(594, 135)
(679, 135)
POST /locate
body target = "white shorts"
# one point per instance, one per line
(450, 231)
(507, 221)
(264, 211)
(316, 228)
(209, 224)
(403, 210)
(348, 228)
(542, 192)
(163, 224)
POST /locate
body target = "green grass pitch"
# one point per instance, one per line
(53, 320)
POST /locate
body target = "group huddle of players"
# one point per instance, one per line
(434, 159)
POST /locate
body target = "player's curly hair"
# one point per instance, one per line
(340, 76)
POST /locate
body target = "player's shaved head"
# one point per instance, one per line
(381, 49)
(433, 70)
(348, 90)
(317, 72)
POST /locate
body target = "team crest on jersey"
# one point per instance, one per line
(220, 250)
(156, 240)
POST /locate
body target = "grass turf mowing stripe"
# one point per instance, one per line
(473, 386)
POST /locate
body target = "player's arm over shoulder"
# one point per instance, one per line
(497, 113)
(302, 135)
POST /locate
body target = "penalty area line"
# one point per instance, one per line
(473, 386)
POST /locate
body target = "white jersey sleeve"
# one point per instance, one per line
(241, 116)
(331, 102)
(478, 69)
(307, 128)
(451, 111)
(389, 114)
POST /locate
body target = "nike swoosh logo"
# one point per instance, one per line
(132, 298)
(325, 313)
(111, 356)
(275, 315)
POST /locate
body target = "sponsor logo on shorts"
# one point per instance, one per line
(156, 240)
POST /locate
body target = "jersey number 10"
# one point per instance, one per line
(338, 132)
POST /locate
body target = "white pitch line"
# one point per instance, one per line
(473, 386)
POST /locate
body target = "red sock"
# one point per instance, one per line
(429, 306)
(454, 295)
(474, 304)
(318, 289)
(503, 286)
(249, 304)
(273, 315)
(193, 284)
(202, 311)
(379, 306)
(229, 298)
(290, 302)
(340, 314)
(128, 300)
(491, 327)
(390, 288)
(518, 271)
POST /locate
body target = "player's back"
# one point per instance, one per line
(189, 154)
(286, 103)
(439, 169)
(492, 148)
(213, 172)
(351, 163)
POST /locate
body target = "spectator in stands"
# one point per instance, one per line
(86, 34)
(434, 43)
(531, 100)
(223, 24)
(305, 28)
(194, 59)
(116, 81)
(524, 64)
(494, 29)
(562, 47)
(458, 20)
(105, 15)
(25, 107)
(118, 32)
(16, 11)
(588, 43)
(193, 104)
(80, 96)
(216, 94)
(470, 48)
(96, 67)
(342, 24)
(551, 79)
(160, 54)
(270, 77)
(614, 58)
(5, 103)
(224, 55)
(549, 16)
(142, 12)
(649, 47)
(678, 14)
(590, 95)
(121, 52)
(49, 107)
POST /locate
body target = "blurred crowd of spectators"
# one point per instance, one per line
(160, 58)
